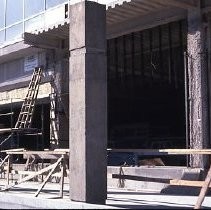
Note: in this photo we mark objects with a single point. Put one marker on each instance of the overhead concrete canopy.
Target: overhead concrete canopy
(122, 17)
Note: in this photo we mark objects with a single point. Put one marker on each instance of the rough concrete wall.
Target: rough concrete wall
(17, 95)
(198, 104)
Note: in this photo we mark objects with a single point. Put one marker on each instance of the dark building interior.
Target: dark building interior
(146, 91)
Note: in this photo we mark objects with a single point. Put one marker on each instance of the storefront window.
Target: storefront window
(14, 11)
(33, 7)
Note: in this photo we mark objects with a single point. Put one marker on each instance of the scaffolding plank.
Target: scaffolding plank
(187, 183)
(165, 151)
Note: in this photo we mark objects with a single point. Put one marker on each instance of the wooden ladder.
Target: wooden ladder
(27, 109)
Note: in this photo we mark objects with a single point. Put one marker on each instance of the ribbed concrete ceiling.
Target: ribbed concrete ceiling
(122, 10)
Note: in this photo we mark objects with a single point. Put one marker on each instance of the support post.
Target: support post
(197, 77)
(88, 103)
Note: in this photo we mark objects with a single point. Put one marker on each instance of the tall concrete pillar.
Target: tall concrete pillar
(198, 97)
(88, 103)
(209, 71)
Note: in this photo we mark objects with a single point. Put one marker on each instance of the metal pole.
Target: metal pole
(108, 60)
(142, 55)
(11, 116)
(186, 107)
(151, 54)
(42, 122)
(132, 54)
(161, 54)
(170, 54)
(124, 56)
(116, 58)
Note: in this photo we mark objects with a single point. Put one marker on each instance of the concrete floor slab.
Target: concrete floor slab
(22, 197)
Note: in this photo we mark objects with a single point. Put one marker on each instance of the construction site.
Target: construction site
(105, 104)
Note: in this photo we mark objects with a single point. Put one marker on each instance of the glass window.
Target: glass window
(34, 23)
(2, 36)
(2, 71)
(14, 32)
(33, 7)
(14, 11)
(52, 3)
(14, 69)
(2, 13)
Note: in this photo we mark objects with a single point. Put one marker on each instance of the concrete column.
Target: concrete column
(209, 71)
(88, 103)
(198, 97)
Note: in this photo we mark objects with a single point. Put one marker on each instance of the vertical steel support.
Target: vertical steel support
(142, 55)
(124, 57)
(170, 54)
(116, 58)
(8, 170)
(161, 53)
(132, 55)
(108, 60)
(42, 122)
(151, 53)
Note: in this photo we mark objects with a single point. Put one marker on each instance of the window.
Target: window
(52, 3)
(2, 36)
(2, 17)
(14, 11)
(14, 32)
(33, 7)
(14, 69)
(34, 23)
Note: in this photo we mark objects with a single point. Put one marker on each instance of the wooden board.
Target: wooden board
(45, 156)
(12, 130)
(187, 183)
(164, 151)
(15, 152)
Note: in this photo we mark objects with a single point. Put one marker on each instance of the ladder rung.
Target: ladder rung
(28, 105)
(25, 113)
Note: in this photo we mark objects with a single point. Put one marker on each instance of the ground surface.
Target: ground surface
(22, 196)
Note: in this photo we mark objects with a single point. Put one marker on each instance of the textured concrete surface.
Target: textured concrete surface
(22, 197)
(197, 93)
(88, 102)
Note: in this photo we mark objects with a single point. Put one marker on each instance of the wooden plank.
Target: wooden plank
(187, 183)
(8, 171)
(6, 114)
(45, 156)
(11, 130)
(203, 191)
(14, 150)
(164, 151)
(31, 176)
(24, 172)
(5, 159)
(49, 175)
(62, 150)
(37, 152)
(63, 169)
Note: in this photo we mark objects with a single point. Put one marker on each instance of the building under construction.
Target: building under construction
(131, 74)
